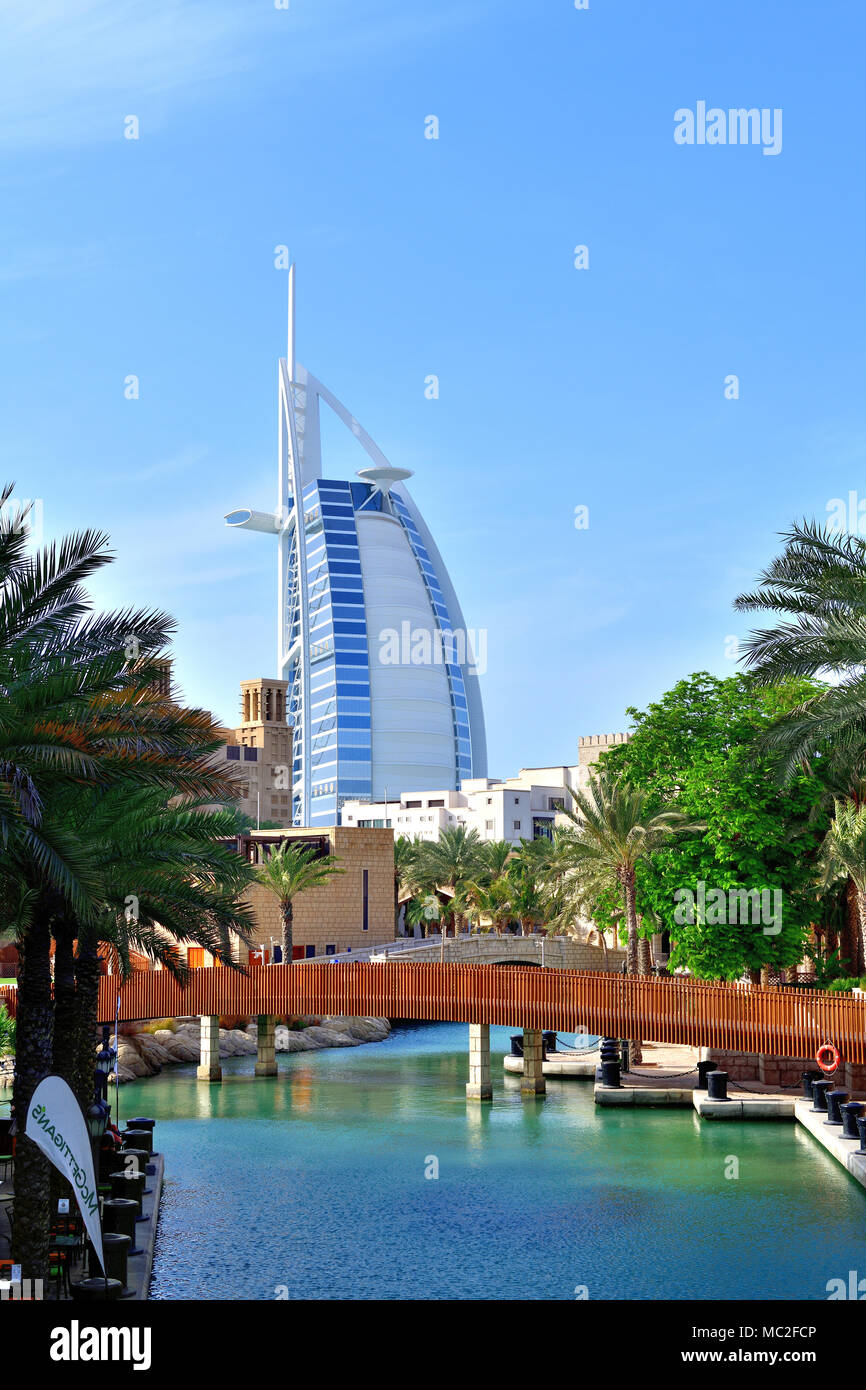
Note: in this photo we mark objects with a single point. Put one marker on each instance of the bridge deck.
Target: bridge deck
(790, 1023)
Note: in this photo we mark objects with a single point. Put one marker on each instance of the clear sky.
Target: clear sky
(559, 387)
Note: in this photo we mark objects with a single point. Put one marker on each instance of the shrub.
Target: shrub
(155, 1023)
(7, 1032)
(844, 985)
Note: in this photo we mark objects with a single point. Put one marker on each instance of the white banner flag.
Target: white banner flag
(56, 1125)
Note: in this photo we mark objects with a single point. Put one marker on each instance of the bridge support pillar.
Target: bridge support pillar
(209, 1067)
(532, 1082)
(266, 1057)
(479, 1086)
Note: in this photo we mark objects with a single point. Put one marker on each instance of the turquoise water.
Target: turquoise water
(315, 1181)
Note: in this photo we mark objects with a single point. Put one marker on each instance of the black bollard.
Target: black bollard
(610, 1073)
(115, 1248)
(135, 1161)
(129, 1185)
(138, 1139)
(548, 1043)
(717, 1085)
(141, 1122)
(819, 1095)
(96, 1290)
(835, 1099)
(808, 1078)
(517, 1045)
(850, 1115)
(861, 1130)
(118, 1214)
(704, 1068)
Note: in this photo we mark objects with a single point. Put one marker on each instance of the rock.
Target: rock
(234, 1043)
(362, 1029)
(328, 1037)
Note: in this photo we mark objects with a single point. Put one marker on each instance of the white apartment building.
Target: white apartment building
(520, 808)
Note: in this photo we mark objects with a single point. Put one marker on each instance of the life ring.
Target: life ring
(831, 1053)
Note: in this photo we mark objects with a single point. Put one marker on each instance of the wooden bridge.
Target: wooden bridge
(742, 1018)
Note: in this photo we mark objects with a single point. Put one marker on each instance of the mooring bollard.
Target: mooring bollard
(717, 1085)
(610, 1073)
(143, 1122)
(819, 1095)
(704, 1069)
(861, 1130)
(135, 1161)
(118, 1214)
(517, 1044)
(96, 1290)
(138, 1139)
(115, 1248)
(129, 1185)
(808, 1078)
(835, 1099)
(850, 1115)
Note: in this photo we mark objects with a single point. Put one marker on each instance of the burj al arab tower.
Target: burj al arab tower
(382, 682)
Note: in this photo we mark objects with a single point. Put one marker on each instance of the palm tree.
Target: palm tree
(405, 857)
(616, 826)
(188, 884)
(288, 870)
(817, 588)
(495, 855)
(843, 856)
(452, 861)
(56, 662)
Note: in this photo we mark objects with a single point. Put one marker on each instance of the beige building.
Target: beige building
(520, 808)
(260, 748)
(351, 910)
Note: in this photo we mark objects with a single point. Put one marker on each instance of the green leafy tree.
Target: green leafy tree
(702, 744)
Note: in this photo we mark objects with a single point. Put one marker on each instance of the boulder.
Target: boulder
(328, 1037)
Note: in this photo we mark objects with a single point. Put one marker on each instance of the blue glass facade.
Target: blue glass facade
(340, 715)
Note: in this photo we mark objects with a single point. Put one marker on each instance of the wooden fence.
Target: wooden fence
(791, 1023)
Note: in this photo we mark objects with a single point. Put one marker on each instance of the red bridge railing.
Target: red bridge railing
(790, 1023)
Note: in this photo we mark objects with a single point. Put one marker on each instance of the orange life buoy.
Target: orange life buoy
(828, 1051)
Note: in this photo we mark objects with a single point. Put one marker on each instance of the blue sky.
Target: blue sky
(558, 387)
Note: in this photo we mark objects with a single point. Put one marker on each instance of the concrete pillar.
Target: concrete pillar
(532, 1081)
(479, 1086)
(209, 1067)
(266, 1058)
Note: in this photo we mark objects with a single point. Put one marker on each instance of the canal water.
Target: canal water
(319, 1184)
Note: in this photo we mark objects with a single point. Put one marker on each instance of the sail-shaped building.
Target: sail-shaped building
(382, 681)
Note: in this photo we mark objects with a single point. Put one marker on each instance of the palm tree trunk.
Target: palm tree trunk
(861, 935)
(856, 934)
(644, 956)
(288, 920)
(632, 967)
(65, 1013)
(87, 1009)
(32, 1064)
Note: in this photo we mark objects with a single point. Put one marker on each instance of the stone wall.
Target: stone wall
(782, 1071)
(332, 915)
